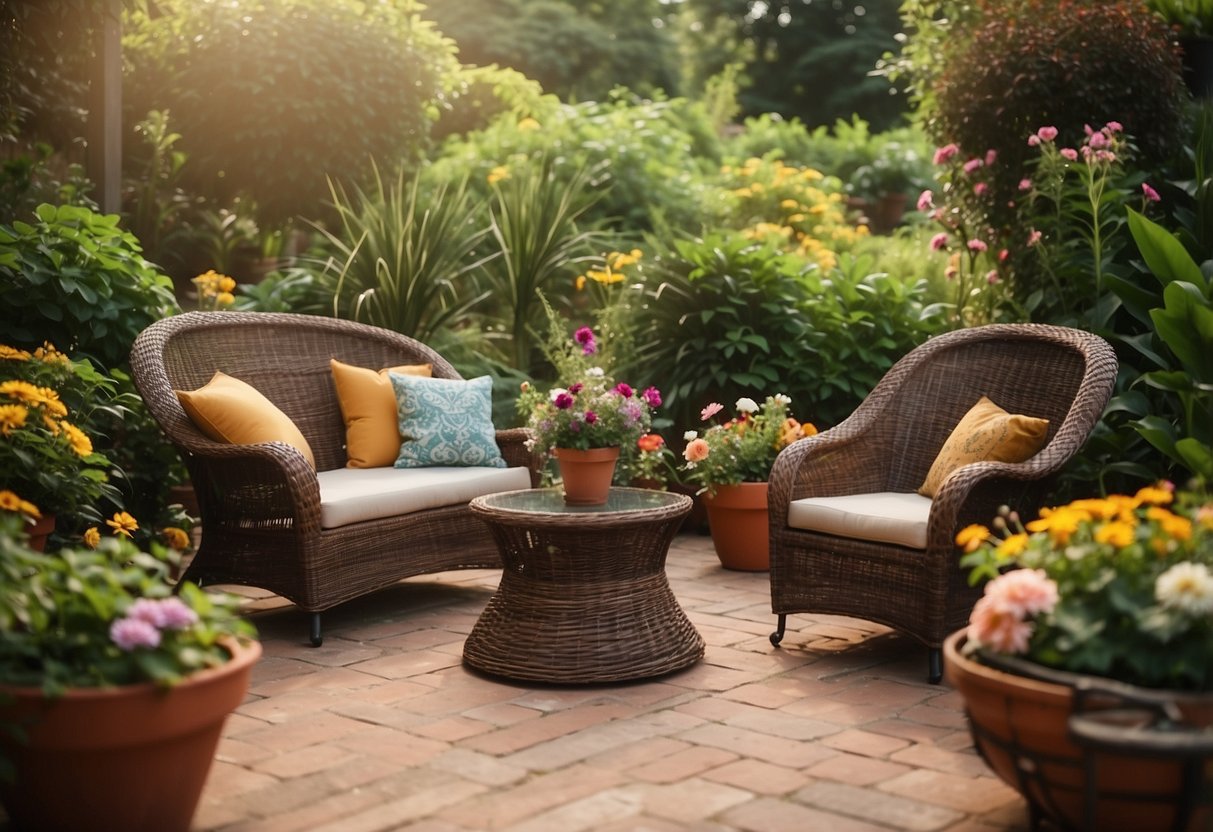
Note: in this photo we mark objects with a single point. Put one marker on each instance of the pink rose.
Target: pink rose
(1024, 592)
(926, 200)
(1003, 255)
(1033, 140)
(651, 396)
(563, 401)
(624, 389)
(939, 241)
(998, 628)
(1098, 140)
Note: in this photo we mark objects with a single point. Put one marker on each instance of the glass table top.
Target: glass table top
(551, 501)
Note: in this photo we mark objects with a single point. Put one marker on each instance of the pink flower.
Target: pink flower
(1025, 184)
(998, 628)
(939, 241)
(1024, 592)
(1069, 153)
(1034, 237)
(1033, 140)
(710, 411)
(991, 155)
(651, 396)
(980, 188)
(624, 389)
(696, 451)
(1086, 128)
(1098, 140)
(1047, 134)
(563, 401)
(585, 337)
(1105, 156)
(977, 245)
(926, 200)
(129, 633)
(1114, 127)
(972, 165)
(576, 387)
(1003, 255)
(992, 276)
(590, 417)
(1150, 193)
(145, 609)
(175, 615)
(945, 153)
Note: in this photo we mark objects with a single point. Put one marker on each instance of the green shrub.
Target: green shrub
(479, 94)
(269, 96)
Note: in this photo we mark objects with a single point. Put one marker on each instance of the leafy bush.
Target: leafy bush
(1064, 63)
(479, 94)
(270, 95)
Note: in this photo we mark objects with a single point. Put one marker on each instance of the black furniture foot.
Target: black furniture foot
(934, 665)
(314, 621)
(777, 636)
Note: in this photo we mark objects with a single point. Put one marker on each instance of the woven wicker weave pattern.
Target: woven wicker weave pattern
(889, 443)
(260, 504)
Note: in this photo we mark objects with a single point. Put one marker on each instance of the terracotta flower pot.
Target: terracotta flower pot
(39, 531)
(132, 758)
(587, 474)
(737, 516)
(1023, 729)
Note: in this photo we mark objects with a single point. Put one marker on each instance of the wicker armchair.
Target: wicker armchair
(260, 504)
(888, 445)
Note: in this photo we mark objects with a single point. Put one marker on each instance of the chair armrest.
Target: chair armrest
(254, 486)
(517, 453)
(834, 462)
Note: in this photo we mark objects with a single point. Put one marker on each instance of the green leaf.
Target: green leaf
(1165, 256)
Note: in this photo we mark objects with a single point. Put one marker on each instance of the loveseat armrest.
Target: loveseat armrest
(513, 443)
(268, 486)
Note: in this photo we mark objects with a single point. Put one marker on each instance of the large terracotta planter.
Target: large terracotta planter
(1100, 770)
(128, 759)
(587, 474)
(737, 517)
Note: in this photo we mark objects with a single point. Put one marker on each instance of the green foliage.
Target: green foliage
(38, 175)
(269, 96)
(931, 32)
(1191, 17)
(403, 258)
(1064, 63)
(75, 278)
(57, 610)
(479, 94)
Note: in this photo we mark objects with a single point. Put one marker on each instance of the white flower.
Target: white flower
(745, 405)
(780, 398)
(689, 435)
(1187, 587)
(595, 372)
(556, 391)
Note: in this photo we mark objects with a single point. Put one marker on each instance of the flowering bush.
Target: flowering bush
(1120, 587)
(128, 626)
(744, 448)
(47, 460)
(591, 409)
(653, 464)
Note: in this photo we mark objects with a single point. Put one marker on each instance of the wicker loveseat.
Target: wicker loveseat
(261, 504)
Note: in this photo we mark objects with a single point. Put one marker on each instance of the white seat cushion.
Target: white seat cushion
(886, 516)
(352, 495)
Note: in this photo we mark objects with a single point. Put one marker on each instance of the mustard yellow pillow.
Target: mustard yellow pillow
(228, 410)
(987, 433)
(368, 406)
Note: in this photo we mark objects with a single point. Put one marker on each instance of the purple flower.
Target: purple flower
(651, 396)
(585, 337)
(129, 633)
(563, 401)
(175, 615)
(145, 609)
(590, 417)
(633, 412)
(624, 389)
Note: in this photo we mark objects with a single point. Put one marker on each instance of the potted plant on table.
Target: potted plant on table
(1087, 669)
(113, 689)
(587, 420)
(731, 463)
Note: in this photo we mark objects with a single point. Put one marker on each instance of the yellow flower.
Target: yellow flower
(21, 391)
(47, 354)
(226, 284)
(1060, 523)
(81, 444)
(1154, 495)
(498, 173)
(1118, 533)
(789, 204)
(607, 276)
(1012, 546)
(224, 299)
(970, 537)
(1173, 526)
(580, 282)
(123, 524)
(12, 417)
(528, 124)
(9, 501)
(50, 402)
(1098, 509)
(92, 537)
(175, 538)
(12, 353)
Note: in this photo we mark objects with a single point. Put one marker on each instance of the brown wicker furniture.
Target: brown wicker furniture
(583, 595)
(260, 504)
(888, 445)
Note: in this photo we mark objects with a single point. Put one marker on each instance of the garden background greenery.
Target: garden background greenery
(440, 168)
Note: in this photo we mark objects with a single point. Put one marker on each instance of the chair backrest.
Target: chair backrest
(284, 356)
(1048, 372)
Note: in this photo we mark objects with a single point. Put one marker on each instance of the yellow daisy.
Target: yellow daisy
(12, 417)
(123, 524)
(92, 537)
(970, 537)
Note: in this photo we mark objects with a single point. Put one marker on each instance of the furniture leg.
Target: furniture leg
(314, 622)
(777, 636)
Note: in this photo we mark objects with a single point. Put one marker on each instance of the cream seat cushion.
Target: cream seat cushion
(886, 517)
(352, 495)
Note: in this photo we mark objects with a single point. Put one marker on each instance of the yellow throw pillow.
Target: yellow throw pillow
(228, 410)
(987, 433)
(368, 405)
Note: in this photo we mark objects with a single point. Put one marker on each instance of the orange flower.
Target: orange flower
(696, 451)
(650, 442)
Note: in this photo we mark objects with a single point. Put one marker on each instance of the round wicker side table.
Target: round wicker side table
(583, 595)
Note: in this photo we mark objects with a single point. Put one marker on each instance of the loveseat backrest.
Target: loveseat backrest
(284, 356)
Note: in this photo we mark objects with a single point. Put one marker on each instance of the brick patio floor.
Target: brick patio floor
(382, 728)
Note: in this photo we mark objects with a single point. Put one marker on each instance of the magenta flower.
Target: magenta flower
(1047, 134)
(175, 615)
(1069, 153)
(590, 417)
(563, 401)
(710, 411)
(1025, 184)
(972, 165)
(585, 337)
(945, 153)
(977, 245)
(129, 633)
(576, 387)
(926, 200)
(624, 389)
(1150, 193)
(651, 396)
(939, 241)
(980, 188)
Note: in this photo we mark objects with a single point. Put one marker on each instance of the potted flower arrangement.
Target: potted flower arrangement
(586, 421)
(731, 463)
(46, 456)
(113, 687)
(1099, 604)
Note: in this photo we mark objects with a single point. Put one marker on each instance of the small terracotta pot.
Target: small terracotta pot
(39, 531)
(738, 518)
(587, 474)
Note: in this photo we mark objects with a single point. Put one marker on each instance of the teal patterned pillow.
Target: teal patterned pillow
(445, 422)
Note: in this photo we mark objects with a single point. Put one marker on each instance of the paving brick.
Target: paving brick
(502, 713)
(876, 806)
(398, 747)
(477, 767)
(757, 777)
(939, 759)
(451, 729)
(682, 764)
(776, 750)
(505, 807)
(391, 814)
(304, 761)
(532, 732)
(770, 815)
(690, 801)
(864, 742)
(855, 769)
(966, 794)
(590, 812)
(634, 754)
(907, 730)
(406, 664)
